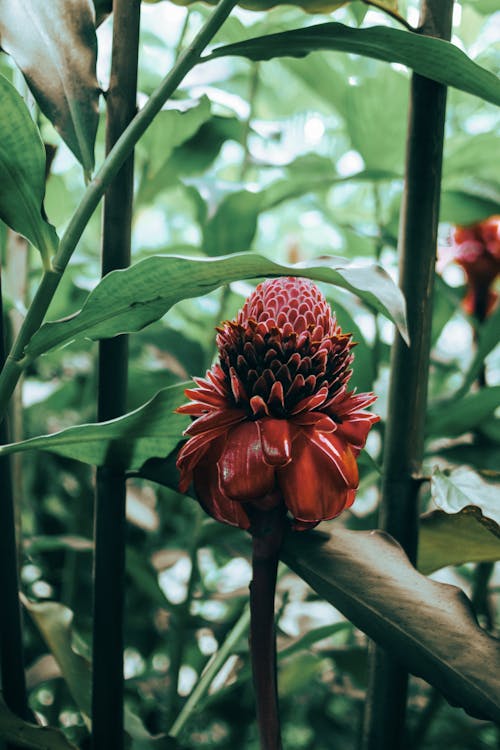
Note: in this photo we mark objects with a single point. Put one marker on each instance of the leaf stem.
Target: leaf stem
(110, 167)
(181, 619)
(110, 493)
(214, 665)
(385, 708)
(267, 534)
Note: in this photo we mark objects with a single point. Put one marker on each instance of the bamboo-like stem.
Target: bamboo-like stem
(11, 642)
(110, 526)
(385, 709)
(267, 534)
(96, 189)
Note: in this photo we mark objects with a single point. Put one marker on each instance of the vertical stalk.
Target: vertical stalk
(385, 710)
(267, 534)
(11, 643)
(109, 562)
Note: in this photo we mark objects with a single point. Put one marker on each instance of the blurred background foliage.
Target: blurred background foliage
(292, 159)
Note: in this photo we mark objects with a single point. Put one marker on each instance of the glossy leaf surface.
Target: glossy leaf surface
(22, 172)
(54, 44)
(367, 576)
(430, 57)
(128, 300)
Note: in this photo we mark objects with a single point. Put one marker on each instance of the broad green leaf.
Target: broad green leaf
(55, 623)
(428, 626)
(233, 226)
(169, 129)
(488, 340)
(466, 525)
(22, 173)
(128, 300)
(428, 56)
(381, 99)
(462, 488)
(456, 538)
(18, 733)
(55, 46)
(455, 416)
(459, 207)
(127, 442)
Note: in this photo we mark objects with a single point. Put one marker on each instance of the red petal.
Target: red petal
(220, 507)
(191, 454)
(354, 431)
(313, 487)
(315, 419)
(243, 474)
(215, 419)
(276, 441)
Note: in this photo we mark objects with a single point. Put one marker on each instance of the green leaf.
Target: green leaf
(487, 341)
(428, 626)
(128, 300)
(311, 6)
(453, 417)
(126, 442)
(454, 539)
(462, 488)
(169, 129)
(428, 56)
(381, 99)
(56, 49)
(233, 226)
(466, 525)
(55, 623)
(22, 173)
(18, 733)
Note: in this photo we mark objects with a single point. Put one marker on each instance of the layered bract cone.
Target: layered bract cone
(274, 420)
(477, 249)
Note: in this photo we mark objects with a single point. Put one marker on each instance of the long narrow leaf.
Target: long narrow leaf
(128, 300)
(430, 57)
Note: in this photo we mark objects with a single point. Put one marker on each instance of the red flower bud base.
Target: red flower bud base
(274, 420)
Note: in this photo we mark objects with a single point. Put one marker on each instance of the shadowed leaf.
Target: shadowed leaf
(22, 172)
(21, 733)
(54, 44)
(428, 56)
(128, 300)
(126, 442)
(428, 626)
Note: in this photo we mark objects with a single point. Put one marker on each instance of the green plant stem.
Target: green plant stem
(11, 642)
(378, 247)
(252, 95)
(96, 189)
(110, 495)
(385, 709)
(267, 534)
(213, 667)
(181, 619)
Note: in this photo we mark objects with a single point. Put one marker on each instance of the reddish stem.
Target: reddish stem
(267, 534)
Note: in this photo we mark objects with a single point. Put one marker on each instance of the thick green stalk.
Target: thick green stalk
(11, 642)
(385, 709)
(96, 189)
(110, 525)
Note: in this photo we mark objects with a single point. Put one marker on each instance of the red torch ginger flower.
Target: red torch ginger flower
(274, 421)
(477, 250)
